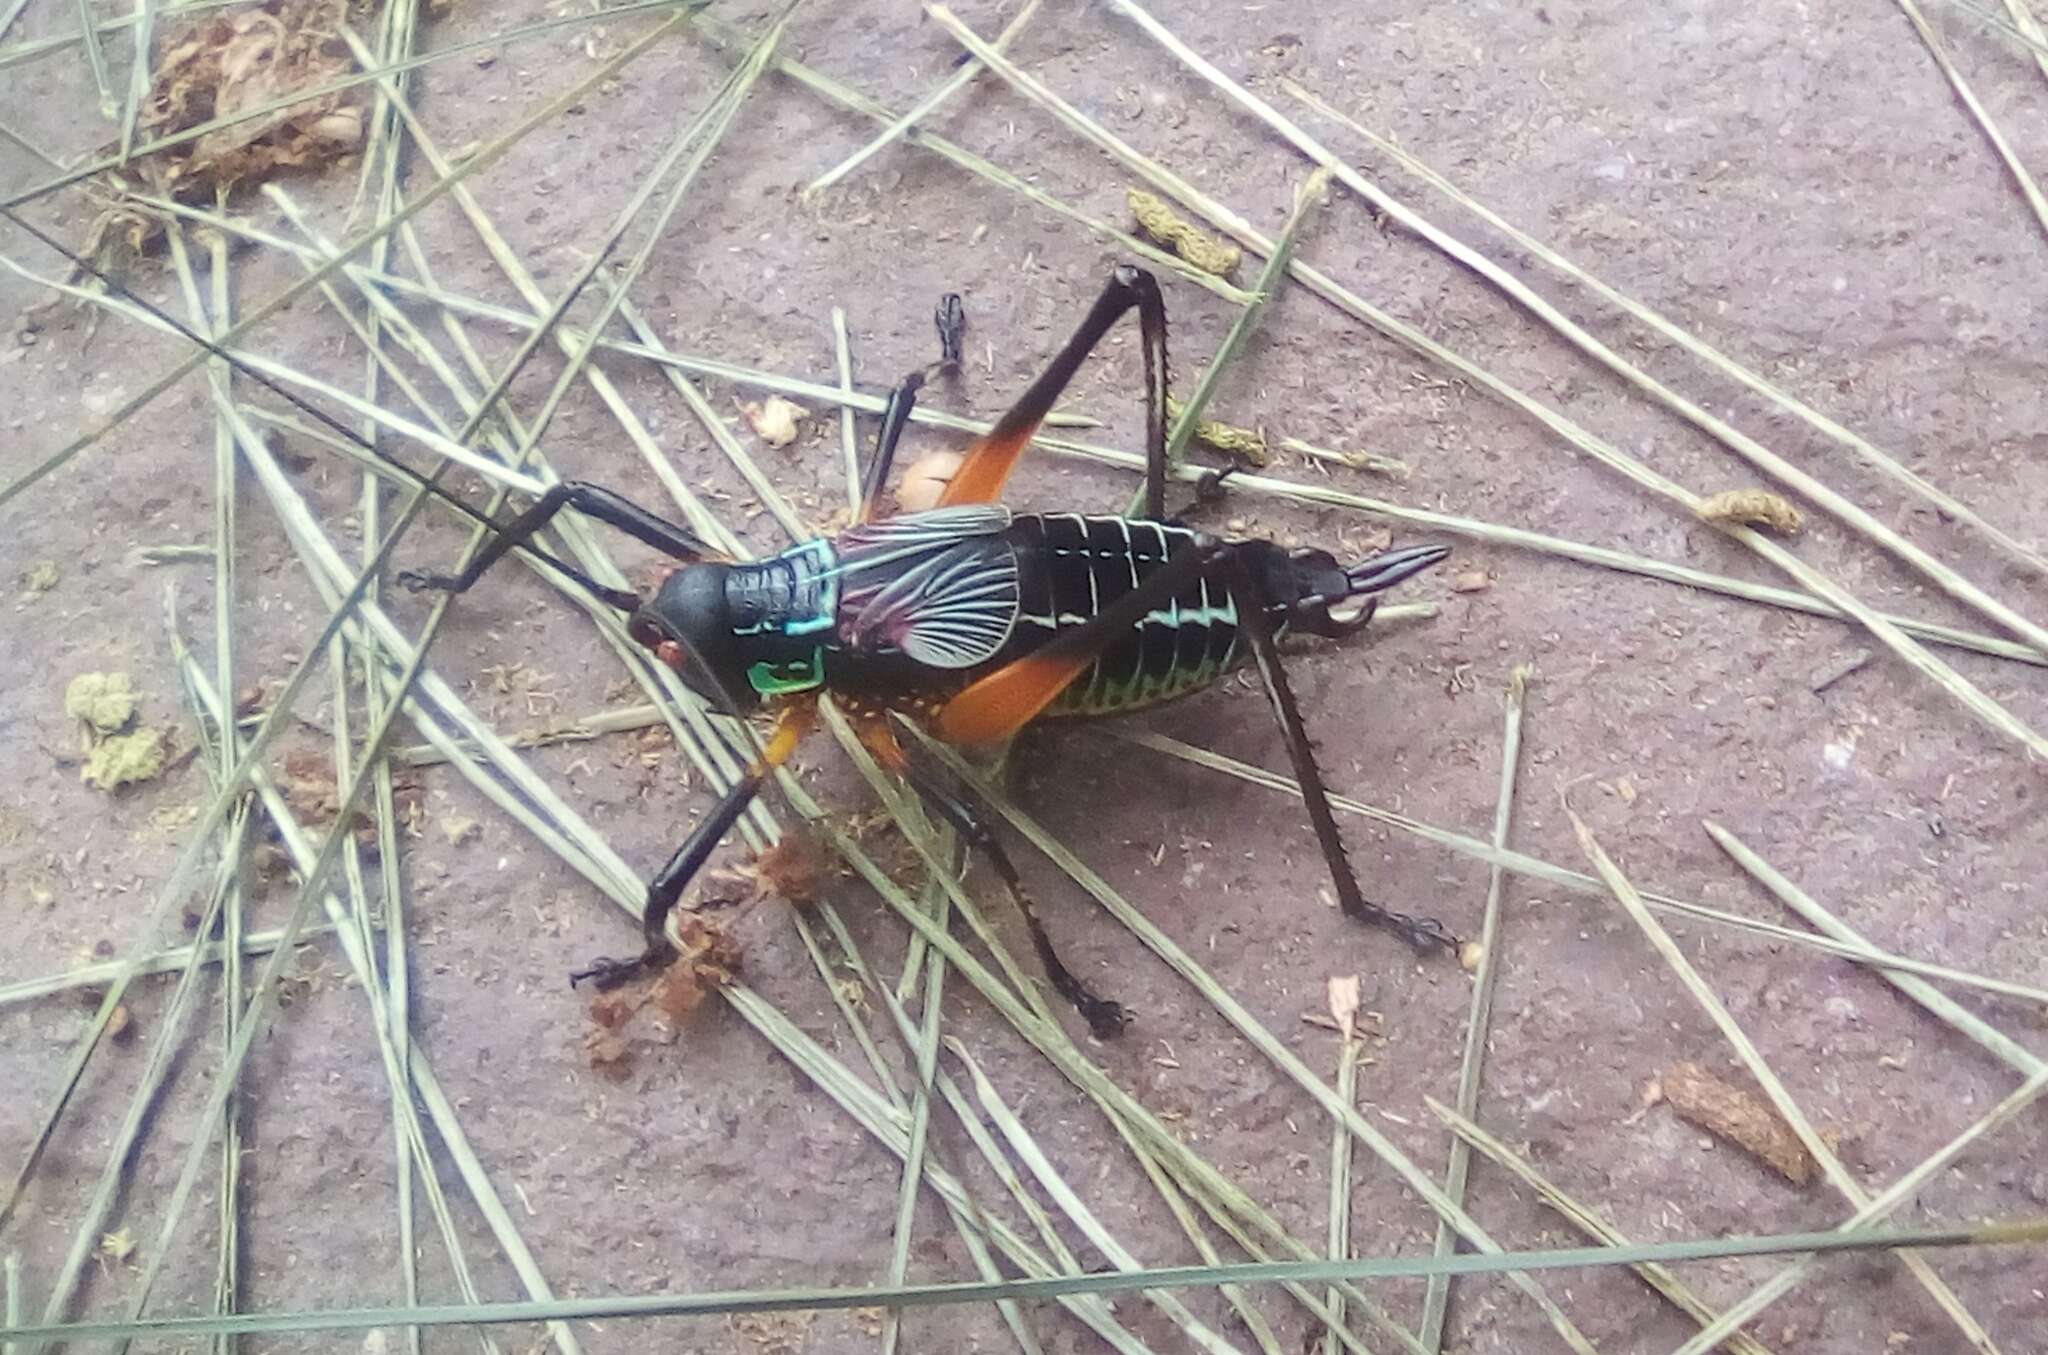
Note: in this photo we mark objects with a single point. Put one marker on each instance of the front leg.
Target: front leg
(594, 500)
(950, 319)
(667, 887)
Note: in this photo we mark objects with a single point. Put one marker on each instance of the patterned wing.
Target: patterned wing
(922, 531)
(952, 609)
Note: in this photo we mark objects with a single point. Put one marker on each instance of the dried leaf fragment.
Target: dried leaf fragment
(609, 1053)
(708, 958)
(1754, 508)
(1344, 1003)
(612, 1010)
(774, 420)
(1159, 221)
(310, 786)
(1738, 1116)
(793, 867)
(1471, 581)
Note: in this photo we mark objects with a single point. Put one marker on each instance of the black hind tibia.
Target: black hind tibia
(1299, 586)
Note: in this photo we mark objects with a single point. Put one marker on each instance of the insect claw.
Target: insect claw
(951, 320)
(1106, 1016)
(1425, 934)
(417, 581)
(1210, 488)
(606, 974)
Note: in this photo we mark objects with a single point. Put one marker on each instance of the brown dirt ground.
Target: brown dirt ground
(1798, 185)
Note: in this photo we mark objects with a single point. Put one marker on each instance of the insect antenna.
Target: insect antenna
(615, 597)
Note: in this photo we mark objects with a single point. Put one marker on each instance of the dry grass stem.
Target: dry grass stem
(922, 109)
(1750, 1129)
(1479, 1023)
(1583, 1217)
(1868, 524)
(1936, 1002)
(2013, 166)
(1968, 694)
(1872, 456)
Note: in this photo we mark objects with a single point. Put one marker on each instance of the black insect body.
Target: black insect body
(909, 611)
(973, 621)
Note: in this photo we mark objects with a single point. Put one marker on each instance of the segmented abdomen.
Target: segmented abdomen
(1069, 567)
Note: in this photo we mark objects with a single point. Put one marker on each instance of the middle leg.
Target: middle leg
(951, 321)
(946, 796)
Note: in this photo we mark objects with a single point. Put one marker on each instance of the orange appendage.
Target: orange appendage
(1008, 699)
(986, 470)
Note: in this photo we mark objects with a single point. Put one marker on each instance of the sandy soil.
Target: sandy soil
(1798, 185)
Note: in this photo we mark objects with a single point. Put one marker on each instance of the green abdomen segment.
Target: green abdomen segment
(1070, 567)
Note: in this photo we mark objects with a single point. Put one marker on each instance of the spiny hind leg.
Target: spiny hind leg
(1425, 934)
(958, 805)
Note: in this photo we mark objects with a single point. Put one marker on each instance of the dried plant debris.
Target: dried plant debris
(1738, 1116)
(612, 1010)
(1247, 444)
(1343, 995)
(103, 702)
(228, 62)
(609, 1053)
(708, 957)
(1366, 461)
(795, 867)
(1471, 581)
(1159, 221)
(115, 1248)
(774, 420)
(310, 787)
(116, 753)
(39, 578)
(772, 1333)
(1754, 508)
(459, 828)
